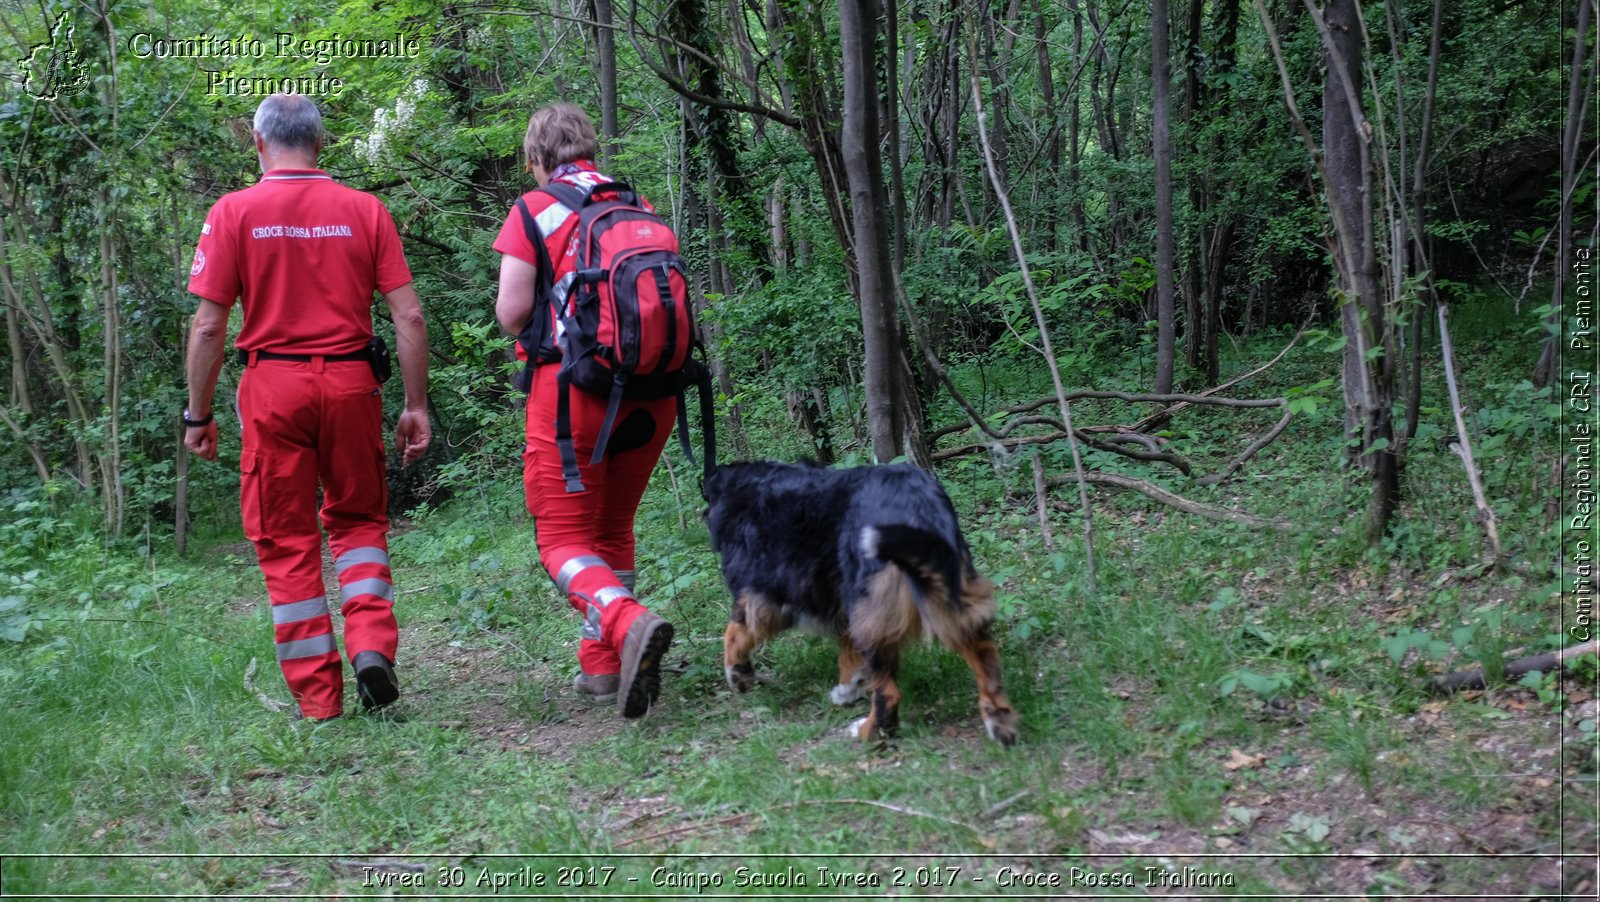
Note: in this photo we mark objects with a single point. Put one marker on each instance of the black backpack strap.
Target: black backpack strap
(683, 427)
(698, 375)
(617, 383)
(571, 196)
(535, 336)
(708, 420)
(569, 456)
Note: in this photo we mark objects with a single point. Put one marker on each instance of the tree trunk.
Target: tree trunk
(1221, 233)
(1221, 240)
(999, 88)
(1195, 285)
(605, 42)
(891, 109)
(804, 410)
(1368, 378)
(1104, 108)
(19, 396)
(1161, 126)
(802, 87)
(1417, 244)
(697, 228)
(778, 226)
(886, 420)
(111, 457)
(1047, 100)
(1080, 222)
(30, 302)
(1545, 370)
(180, 489)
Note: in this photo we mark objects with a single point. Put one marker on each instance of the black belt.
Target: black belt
(243, 356)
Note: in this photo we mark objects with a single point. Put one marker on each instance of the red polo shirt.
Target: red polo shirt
(306, 254)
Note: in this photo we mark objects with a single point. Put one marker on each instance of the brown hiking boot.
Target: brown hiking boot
(597, 688)
(646, 644)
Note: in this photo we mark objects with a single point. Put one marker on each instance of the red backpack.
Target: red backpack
(625, 327)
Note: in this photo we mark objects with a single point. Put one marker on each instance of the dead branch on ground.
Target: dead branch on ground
(1473, 678)
(1177, 502)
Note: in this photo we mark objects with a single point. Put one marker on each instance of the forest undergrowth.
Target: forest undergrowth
(1255, 696)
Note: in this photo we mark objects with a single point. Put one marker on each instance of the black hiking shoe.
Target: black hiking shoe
(375, 680)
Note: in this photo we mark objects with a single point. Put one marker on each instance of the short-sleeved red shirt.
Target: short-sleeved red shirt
(556, 223)
(306, 254)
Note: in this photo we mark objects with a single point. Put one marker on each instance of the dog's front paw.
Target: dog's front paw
(846, 693)
(741, 677)
(857, 727)
(1002, 726)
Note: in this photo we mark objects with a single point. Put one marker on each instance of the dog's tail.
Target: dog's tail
(929, 588)
(933, 564)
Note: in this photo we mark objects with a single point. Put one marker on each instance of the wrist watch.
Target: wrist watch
(193, 423)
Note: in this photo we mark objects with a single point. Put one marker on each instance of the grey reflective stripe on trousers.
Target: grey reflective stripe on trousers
(374, 586)
(625, 577)
(299, 610)
(573, 567)
(369, 554)
(591, 614)
(306, 648)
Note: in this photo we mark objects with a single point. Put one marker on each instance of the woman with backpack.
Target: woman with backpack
(589, 452)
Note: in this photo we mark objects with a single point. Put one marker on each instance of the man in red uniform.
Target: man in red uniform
(585, 538)
(305, 255)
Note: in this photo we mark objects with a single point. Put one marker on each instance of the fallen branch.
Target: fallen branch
(964, 450)
(1178, 402)
(1263, 440)
(1041, 494)
(994, 811)
(1463, 443)
(1179, 502)
(271, 703)
(1149, 449)
(1162, 415)
(1109, 445)
(661, 834)
(1473, 679)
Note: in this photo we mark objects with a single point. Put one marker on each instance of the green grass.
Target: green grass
(1203, 640)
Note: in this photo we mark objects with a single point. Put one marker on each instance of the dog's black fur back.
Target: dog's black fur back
(794, 532)
(873, 555)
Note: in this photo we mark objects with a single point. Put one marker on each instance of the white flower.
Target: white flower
(386, 122)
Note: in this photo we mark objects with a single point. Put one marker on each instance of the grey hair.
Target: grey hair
(289, 122)
(559, 133)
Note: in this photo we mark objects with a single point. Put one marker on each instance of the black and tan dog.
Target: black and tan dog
(872, 555)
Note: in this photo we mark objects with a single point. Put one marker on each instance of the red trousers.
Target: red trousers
(305, 423)
(586, 538)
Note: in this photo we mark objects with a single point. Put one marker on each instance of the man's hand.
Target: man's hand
(412, 434)
(202, 440)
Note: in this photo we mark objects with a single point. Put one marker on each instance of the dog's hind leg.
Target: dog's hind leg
(852, 673)
(752, 621)
(884, 716)
(998, 717)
